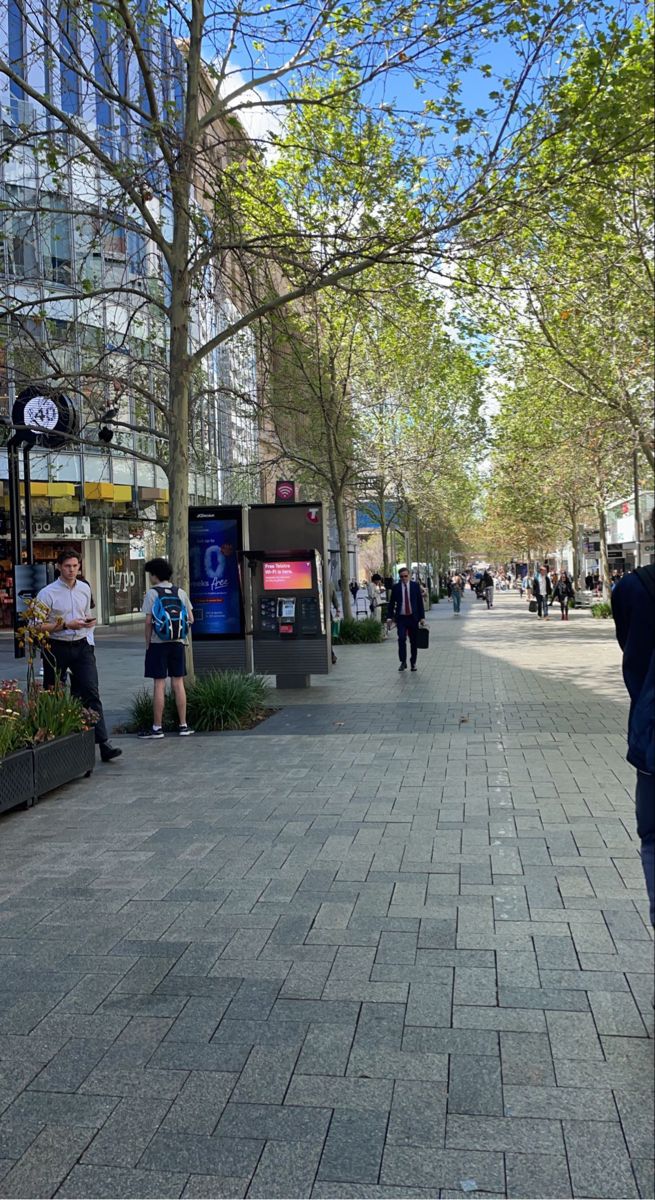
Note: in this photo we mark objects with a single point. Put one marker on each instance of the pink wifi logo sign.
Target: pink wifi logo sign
(285, 490)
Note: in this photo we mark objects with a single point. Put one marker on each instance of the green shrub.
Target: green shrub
(220, 700)
(55, 713)
(434, 596)
(601, 609)
(356, 632)
(226, 700)
(141, 711)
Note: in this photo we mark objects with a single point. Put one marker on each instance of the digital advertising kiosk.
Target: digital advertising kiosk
(217, 594)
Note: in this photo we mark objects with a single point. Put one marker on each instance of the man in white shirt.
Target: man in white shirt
(69, 621)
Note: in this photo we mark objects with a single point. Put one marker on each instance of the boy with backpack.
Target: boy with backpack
(169, 615)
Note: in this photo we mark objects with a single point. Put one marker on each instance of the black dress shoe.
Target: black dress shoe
(402, 667)
(413, 668)
(107, 752)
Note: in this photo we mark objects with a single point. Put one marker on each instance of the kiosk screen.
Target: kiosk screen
(290, 576)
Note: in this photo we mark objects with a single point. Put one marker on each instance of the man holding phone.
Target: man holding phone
(69, 621)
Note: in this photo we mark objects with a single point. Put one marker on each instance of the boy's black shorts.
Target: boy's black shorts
(165, 658)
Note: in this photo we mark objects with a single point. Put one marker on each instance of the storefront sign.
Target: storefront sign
(215, 544)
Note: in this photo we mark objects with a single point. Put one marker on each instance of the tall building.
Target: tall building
(76, 284)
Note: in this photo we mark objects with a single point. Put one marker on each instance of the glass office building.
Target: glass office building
(111, 502)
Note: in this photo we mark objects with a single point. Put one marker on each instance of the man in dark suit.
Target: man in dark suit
(406, 609)
(633, 609)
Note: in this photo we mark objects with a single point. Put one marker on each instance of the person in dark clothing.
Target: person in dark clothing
(406, 608)
(488, 587)
(563, 593)
(633, 609)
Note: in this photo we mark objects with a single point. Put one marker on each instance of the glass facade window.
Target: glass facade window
(122, 468)
(69, 57)
(102, 72)
(16, 47)
(97, 468)
(22, 240)
(56, 241)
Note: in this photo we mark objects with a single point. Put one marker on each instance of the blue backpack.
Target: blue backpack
(170, 619)
(641, 730)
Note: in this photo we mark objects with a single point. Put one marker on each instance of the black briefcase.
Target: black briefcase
(422, 637)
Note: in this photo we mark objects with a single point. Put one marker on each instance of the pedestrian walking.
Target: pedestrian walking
(488, 587)
(633, 608)
(542, 590)
(563, 594)
(69, 621)
(406, 608)
(457, 589)
(169, 616)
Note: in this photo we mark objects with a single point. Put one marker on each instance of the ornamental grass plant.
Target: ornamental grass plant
(353, 633)
(222, 700)
(602, 610)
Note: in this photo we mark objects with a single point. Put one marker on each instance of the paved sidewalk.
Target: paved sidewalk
(391, 943)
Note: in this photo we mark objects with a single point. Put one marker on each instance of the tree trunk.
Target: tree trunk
(340, 517)
(575, 543)
(384, 533)
(179, 405)
(604, 557)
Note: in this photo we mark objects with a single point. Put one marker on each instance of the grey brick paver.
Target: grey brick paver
(132, 1185)
(598, 1160)
(400, 949)
(504, 1133)
(46, 1163)
(354, 1146)
(533, 1176)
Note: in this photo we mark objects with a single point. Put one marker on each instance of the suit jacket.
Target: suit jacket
(415, 598)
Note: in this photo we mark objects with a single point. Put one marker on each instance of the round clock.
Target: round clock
(41, 414)
(48, 418)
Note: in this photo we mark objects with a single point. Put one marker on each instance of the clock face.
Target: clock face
(41, 413)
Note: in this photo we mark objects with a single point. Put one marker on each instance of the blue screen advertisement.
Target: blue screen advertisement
(214, 544)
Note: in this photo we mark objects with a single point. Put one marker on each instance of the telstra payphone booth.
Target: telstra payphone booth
(290, 603)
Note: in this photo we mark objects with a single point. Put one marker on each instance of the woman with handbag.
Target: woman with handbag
(563, 592)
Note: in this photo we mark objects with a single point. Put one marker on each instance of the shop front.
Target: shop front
(114, 540)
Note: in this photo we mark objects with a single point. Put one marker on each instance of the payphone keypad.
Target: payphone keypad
(268, 614)
(309, 615)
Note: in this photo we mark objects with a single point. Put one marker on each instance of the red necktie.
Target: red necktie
(408, 607)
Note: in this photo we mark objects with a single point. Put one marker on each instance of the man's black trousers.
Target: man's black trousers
(407, 628)
(78, 658)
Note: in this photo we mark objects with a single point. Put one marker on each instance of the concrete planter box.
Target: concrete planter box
(17, 780)
(64, 759)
